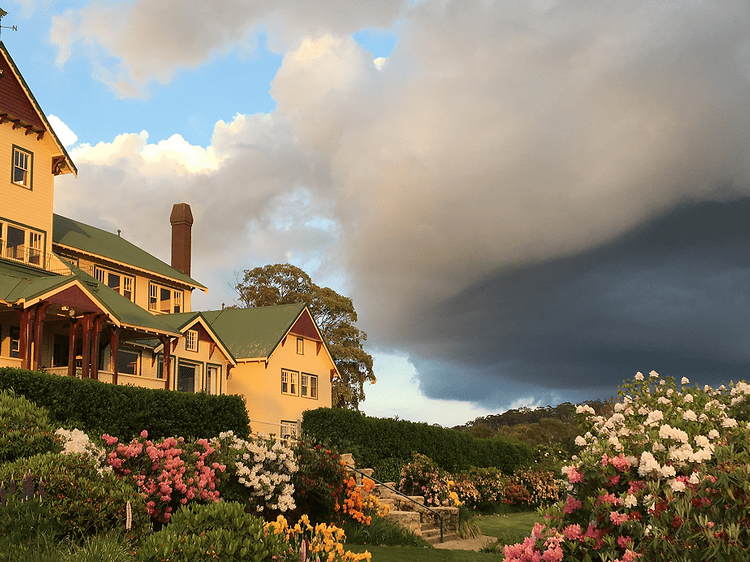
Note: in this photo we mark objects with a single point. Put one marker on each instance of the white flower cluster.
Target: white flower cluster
(76, 441)
(266, 470)
(663, 431)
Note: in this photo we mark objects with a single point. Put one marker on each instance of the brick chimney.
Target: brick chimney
(182, 224)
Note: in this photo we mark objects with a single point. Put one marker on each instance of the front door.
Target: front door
(186, 378)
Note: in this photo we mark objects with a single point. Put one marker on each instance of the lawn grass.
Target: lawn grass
(513, 525)
(508, 529)
(417, 554)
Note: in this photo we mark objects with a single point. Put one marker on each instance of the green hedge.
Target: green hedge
(373, 440)
(124, 411)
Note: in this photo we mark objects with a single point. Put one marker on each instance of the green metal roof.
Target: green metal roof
(92, 240)
(180, 320)
(253, 332)
(126, 311)
(18, 282)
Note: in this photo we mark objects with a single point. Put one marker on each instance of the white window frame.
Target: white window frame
(31, 249)
(23, 164)
(308, 386)
(102, 275)
(289, 382)
(300, 346)
(288, 429)
(213, 379)
(155, 301)
(191, 340)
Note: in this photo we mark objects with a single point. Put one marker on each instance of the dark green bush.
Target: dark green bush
(124, 411)
(217, 531)
(81, 501)
(381, 532)
(25, 428)
(376, 439)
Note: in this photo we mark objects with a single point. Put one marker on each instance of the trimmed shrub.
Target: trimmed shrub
(218, 531)
(374, 439)
(25, 429)
(81, 501)
(124, 411)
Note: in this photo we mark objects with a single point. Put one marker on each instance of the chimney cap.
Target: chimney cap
(181, 214)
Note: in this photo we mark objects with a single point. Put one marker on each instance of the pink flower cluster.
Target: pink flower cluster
(168, 473)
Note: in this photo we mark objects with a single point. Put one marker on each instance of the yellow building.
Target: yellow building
(79, 301)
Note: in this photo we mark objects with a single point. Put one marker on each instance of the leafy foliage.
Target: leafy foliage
(80, 500)
(373, 439)
(124, 411)
(218, 531)
(25, 428)
(334, 315)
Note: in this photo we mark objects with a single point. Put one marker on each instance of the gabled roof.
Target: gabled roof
(18, 104)
(77, 236)
(127, 313)
(184, 321)
(22, 285)
(254, 333)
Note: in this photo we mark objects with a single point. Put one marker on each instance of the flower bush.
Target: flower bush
(319, 543)
(360, 504)
(259, 473)
(77, 441)
(664, 477)
(320, 483)
(422, 477)
(168, 473)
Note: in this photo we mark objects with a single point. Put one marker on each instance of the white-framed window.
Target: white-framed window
(288, 429)
(309, 385)
(289, 382)
(123, 284)
(35, 248)
(22, 163)
(213, 375)
(191, 340)
(21, 244)
(163, 299)
(300, 346)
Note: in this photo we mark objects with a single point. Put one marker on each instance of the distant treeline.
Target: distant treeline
(563, 412)
(552, 426)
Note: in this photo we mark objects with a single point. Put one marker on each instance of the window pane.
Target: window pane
(153, 292)
(127, 361)
(114, 282)
(165, 299)
(16, 238)
(15, 337)
(20, 167)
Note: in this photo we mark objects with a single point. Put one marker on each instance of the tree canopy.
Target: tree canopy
(334, 314)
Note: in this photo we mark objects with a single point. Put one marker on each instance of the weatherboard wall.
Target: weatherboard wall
(260, 383)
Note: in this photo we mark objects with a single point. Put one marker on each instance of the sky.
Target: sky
(527, 201)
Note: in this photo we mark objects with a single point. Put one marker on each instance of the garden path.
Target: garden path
(477, 543)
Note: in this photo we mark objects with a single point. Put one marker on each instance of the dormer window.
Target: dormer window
(22, 161)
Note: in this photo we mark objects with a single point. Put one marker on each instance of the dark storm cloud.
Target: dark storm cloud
(672, 295)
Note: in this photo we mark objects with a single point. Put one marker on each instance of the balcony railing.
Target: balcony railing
(22, 254)
(33, 257)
